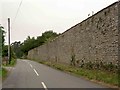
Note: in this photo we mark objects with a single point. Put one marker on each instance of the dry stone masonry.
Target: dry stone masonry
(94, 40)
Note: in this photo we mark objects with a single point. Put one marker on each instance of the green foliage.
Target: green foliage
(1, 39)
(28, 44)
(12, 64)
(5, 52)
(99, 65)
(16, 47)
(31, 43)
(2, 32)
(4, 73)
(73, 61)
(0, 72)
(49, 35)
(46, 36)
(4, 47)
(89, 65)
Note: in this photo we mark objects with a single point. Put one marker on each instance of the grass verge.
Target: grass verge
(3, 73)
(97, 75)
(12, 64)
(0, 72)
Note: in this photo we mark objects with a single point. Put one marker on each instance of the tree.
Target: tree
(49, 35)
(4, 48)
(28, 44)
(46, 36)
(2, 35)
(16, 47)
(5, 51)
(31, 43)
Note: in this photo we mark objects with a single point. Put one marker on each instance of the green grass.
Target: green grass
(0, 72)
(13, 63)
(99, 75)
(3, 73)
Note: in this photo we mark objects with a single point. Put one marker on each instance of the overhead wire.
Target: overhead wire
(17, 12)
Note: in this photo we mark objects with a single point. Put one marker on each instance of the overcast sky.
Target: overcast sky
(37, 16)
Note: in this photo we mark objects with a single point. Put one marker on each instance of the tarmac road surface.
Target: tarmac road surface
(30, 74)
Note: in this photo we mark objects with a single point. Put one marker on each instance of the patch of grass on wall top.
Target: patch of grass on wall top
(99, 75)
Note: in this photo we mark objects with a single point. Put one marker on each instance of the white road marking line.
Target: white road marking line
(36, 72)
(31, 66)
(44, 85)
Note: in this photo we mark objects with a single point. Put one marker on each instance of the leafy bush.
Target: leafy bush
(73, 61)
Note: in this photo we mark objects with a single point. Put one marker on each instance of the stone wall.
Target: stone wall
(94, 39)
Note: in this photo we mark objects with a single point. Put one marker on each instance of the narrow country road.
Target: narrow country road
(30, 74)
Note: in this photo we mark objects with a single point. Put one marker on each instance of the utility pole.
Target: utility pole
(9, 55)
